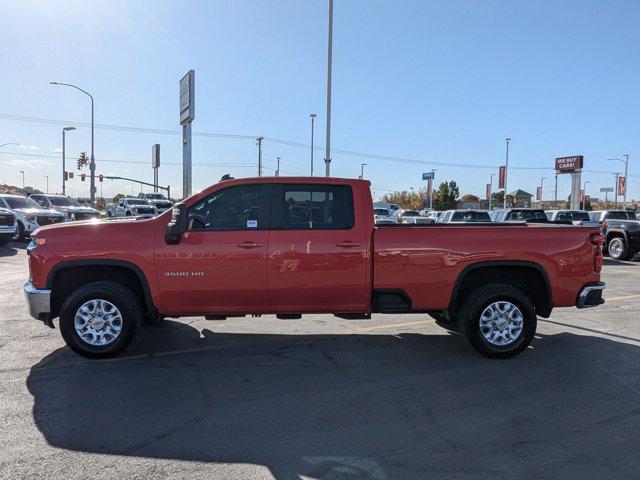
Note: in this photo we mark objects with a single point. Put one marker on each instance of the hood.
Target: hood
(160, 202)
(95, 226)
(41, 212)
(85, 210)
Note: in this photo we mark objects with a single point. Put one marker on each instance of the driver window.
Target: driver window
(233, 208)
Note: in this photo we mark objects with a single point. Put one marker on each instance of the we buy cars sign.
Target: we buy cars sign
(569, 164)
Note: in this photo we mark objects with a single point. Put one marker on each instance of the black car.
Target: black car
(621, 232)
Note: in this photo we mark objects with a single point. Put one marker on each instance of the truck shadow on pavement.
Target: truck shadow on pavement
(351, 406)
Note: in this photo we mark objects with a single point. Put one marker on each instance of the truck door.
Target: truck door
(220, 264)
(318, 254)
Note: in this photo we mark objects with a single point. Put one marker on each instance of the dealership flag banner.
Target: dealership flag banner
(622, 185)
(538, 193)
(501, 174)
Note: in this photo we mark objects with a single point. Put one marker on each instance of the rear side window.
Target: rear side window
(616, 215)
(471, 216)
(528, 215)
(233, 208)
(312, 207)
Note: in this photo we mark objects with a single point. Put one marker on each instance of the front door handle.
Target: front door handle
(249, 244)
(348, 244)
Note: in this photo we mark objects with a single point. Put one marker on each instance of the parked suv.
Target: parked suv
(573, 217)
(7, 226)
(29, 215)
(157, 200)
(529, 215)
(72, 209)
(464, 216)
(130, 207)
(621, 232)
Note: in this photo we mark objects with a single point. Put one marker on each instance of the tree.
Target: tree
(497, 198)
(582, 206)
(468, 198)
(446, 197)
(118, 197)
(407, 200)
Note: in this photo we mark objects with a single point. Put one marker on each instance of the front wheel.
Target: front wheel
(19, 235)
(100, 319)
(498, 321)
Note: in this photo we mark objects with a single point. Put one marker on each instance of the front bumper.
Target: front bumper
(38, 302)
(591, 296)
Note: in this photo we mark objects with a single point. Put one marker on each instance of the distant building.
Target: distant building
(519, 199)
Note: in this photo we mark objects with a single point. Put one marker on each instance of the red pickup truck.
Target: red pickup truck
(289, 246)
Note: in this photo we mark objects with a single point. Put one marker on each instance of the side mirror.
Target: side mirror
(177, 225)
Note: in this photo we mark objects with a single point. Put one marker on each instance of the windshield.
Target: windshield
(574, 216)
(133, 201)
(21, 202)
(470, 216)
(155, 196)
(63, 202)
(620, 215)
(410, 213)
(528, 216)
(381, 211)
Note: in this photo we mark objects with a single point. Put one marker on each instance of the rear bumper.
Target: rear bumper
(591, 296)
(38, 303)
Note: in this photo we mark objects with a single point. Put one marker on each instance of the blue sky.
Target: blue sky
(433, 81)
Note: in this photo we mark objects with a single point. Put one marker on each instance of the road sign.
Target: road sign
(569, 164)
(606, 189)
(428, 175)
(187, 93)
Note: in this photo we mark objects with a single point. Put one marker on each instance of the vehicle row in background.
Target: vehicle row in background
(7, 226)
(131, 207)
(29, 216)
(157, 200)
(621, 232)
(71, 208)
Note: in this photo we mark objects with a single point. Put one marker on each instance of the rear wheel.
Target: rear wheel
(100, 319)
(498, 321)
(19, 236)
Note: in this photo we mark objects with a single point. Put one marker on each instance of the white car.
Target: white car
(157, 200)
(384, 216)
(394, 209)
(72, 209)
(29, 215)
(7, 226)
(131, 207)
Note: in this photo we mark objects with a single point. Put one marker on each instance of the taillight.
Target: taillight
(603, 226)
(597, 240)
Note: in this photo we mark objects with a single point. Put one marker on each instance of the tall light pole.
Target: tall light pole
(64, 168)
(506, 172)
(10, 143)
(259, 143)
(626, 179)
(47, 177)
(22, 172)
(278, 167)
(327, 158)
(362, 165)
(92, 164)
(541, 183)
(616, 204)
(313, 121)
(491, 188)
(555, 193)
(584, 195)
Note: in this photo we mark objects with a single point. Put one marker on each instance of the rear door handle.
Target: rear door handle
(249, 244)
(348, 244)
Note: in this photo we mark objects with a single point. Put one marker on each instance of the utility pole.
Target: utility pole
(555, 193)
(278, 167)
(327, 158)
(64, 168)
(616, 201)
(47, 177)
(313, 120)
(259, 143)
(491, 188)
(506, 172)
(584, 195)
(362, 165)
(541, 183)
(22, 172)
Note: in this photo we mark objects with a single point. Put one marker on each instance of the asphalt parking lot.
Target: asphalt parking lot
(394, 397)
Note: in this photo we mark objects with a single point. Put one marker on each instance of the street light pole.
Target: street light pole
(278, 167)
(47, 177)
(10, 143)
(616, 201)
(584, 195)
(362, 165)
(259, 143)
(541, 183)
(64, 168)
(92, 165)
(327, 158)
(22, 172)
(506, 172)
(313, 120)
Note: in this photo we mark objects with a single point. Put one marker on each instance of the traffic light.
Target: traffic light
(79, 163)
(83, 160)
(82, 176)
(101, 177)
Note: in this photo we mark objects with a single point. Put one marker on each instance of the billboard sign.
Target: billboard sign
(569, 164)
(622, 185)
(428, 176)
(155, 156)
(501, 176)
(187, 94)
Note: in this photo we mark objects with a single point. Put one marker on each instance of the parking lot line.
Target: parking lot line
(613, 299)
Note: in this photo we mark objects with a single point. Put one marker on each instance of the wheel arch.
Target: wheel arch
(542, 297)
(121, 271)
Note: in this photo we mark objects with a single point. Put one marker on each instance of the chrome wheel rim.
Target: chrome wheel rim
(615, 248)
(501, 323)
(98, 322)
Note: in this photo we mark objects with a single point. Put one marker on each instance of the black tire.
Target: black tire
(128, 214)
(442, 321)
(19, 236)
(4, 239)
(114, 293)
(619, 249)
(109, 214)
(474, 306)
